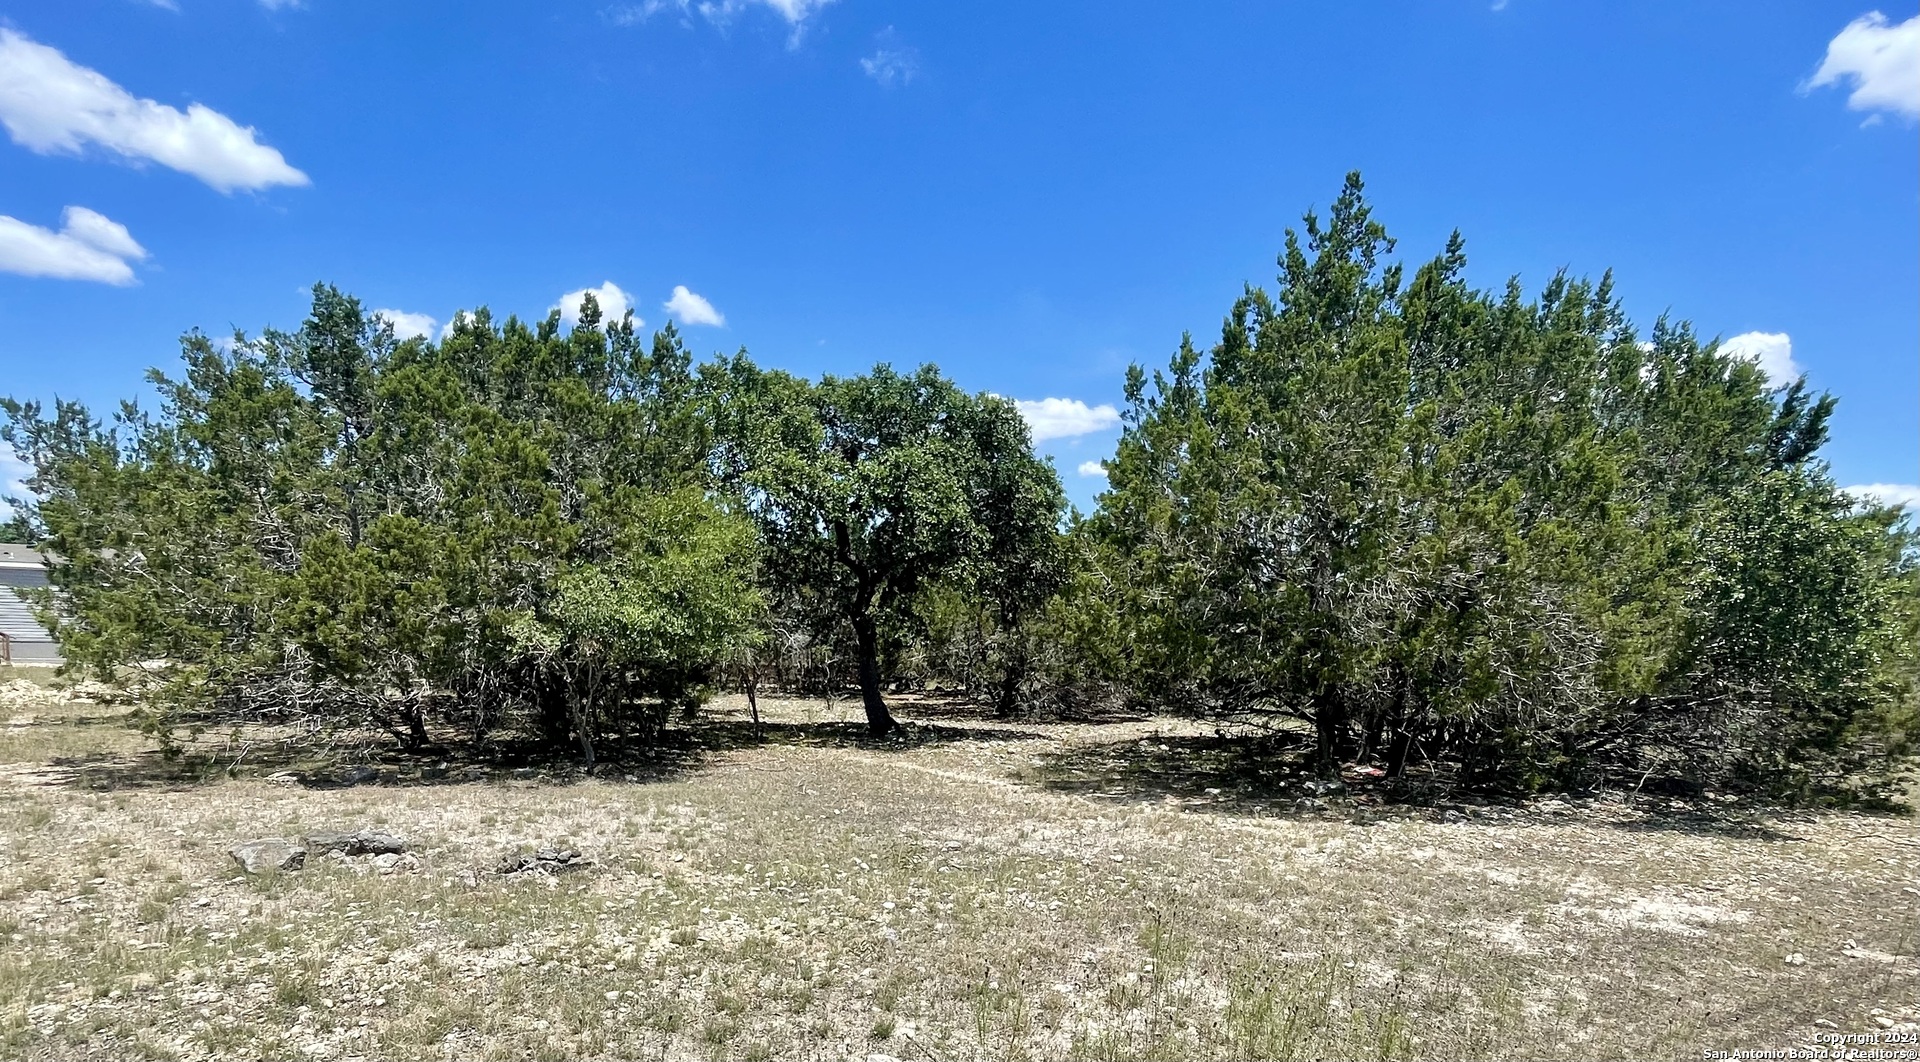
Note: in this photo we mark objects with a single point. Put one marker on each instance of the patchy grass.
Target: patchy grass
(972, 891)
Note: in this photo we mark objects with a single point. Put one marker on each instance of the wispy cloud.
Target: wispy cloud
(1772, 351)
(53, 105)
(1065, 418)
(691, 309)
(1880, 60)
(719, 13)
(892, 63)
(89, 246)
(614, 304)
(635, 14)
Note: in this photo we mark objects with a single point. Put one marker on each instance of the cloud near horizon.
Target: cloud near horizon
(89, 246)
(614, 303)
(691, 309)
(1772, 351)
(1906, 494)
(54, 106)
(1065, 418)
(409, 325)
(13, 480)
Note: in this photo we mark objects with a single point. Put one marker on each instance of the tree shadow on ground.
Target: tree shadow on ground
(1218, 773)
(1271, 775)
(677, 752)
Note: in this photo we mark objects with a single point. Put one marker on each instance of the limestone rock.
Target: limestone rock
(359, 842)
(268, 855)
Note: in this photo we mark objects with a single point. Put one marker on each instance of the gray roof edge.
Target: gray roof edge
(20, 555)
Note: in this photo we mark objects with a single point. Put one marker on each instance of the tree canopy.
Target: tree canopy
(869, 490)
(1485, 536)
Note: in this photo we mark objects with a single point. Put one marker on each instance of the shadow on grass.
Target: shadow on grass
(1271, 775)
(1222, 773)
(677, 752)
(1219, 773)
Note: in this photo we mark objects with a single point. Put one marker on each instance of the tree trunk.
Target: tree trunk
(1398, 754)
(1009, 690)
(417, 736)
(879, 720)
(1329, 726)
(582, 711)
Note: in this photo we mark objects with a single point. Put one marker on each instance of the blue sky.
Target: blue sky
(1030, 195)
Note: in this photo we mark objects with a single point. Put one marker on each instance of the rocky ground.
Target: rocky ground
(973, 890)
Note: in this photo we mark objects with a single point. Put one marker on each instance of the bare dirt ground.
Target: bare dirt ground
(973, 890)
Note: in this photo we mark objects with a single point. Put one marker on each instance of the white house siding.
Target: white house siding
(32, 644)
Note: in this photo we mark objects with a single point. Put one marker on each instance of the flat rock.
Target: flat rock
(359, 842)
(269, 855)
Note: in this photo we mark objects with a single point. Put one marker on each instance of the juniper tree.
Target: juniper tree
(336, 527)
(1434, 521)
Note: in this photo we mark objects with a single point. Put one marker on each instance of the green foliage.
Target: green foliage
(1438, 523)
(1491, 534)
(335, 528)
(672, 606)
(874, 490)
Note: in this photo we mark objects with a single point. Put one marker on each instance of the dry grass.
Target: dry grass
(978, 891)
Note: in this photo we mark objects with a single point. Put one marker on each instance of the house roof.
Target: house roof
(15, 555)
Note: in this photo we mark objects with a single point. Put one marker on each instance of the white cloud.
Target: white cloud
(53, 105)
(613, 304)
(165, 5)
(408, 325)
(275, 5)
(1064, 418)
(1880, 60)
(1907, 494)
(692, 309)
(1772, 351)
(1094, 469)
(892, 63)
(88, 246)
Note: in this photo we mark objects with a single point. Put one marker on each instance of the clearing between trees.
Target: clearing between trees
(964, 889)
